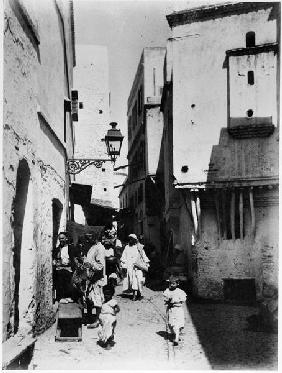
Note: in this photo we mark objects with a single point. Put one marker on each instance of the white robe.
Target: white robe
(175, 312)
(134, 279)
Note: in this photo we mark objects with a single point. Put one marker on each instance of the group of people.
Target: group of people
(87, 273)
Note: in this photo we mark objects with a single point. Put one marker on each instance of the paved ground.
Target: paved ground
(215, 338)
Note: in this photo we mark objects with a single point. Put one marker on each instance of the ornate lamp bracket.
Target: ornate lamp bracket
(75, 166)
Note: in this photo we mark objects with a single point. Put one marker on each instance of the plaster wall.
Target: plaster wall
(216, 259)
(31, 82)
(200, 84)
(244, 96)
(148, 130)
(132, 102)
(154, 128)
(91, 79)
(79, 216)
(153, 64)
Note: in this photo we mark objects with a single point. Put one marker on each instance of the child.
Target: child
(112, 280)
(174, 299)
(107, 318)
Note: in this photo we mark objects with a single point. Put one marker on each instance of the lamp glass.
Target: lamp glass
(113, 141)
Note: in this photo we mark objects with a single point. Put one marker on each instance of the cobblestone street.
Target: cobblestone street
(215, 338)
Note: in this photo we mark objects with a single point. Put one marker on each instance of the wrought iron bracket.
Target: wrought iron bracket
(75, 166)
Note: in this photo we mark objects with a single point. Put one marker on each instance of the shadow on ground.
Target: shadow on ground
(163, 334)
(156, 285)
(23, 361)
(228, 343)
(124, 295)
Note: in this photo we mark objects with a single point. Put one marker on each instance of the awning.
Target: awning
(96, 214)
(102, 203)
(77, 230)
(80, 194)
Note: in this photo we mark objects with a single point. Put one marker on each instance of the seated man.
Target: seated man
(63, 266)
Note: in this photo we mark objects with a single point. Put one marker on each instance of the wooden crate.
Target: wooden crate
(69, 322)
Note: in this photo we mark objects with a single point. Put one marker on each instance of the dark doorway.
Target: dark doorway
(240, 291)
(19, 205)
(250, 39)
(57, 209)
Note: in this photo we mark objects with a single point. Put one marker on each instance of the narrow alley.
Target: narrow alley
(215, 337)
(140, 184)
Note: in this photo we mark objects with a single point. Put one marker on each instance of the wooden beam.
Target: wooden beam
(241, 211)
(194, 214)
(198, 209)
(224, 214)
(253, 218)
(216, 201)
(232, 215)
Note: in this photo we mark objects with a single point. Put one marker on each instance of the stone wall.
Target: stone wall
(33, 158)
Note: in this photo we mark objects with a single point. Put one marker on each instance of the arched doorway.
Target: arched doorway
(24, 253)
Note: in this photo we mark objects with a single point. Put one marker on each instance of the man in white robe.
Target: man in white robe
(134, 278)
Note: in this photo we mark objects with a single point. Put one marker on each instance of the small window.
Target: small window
(250, 39)
(250, 113)
(251, 78)
(105, 189)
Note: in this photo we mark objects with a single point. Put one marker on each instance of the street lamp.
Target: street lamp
(113, 140)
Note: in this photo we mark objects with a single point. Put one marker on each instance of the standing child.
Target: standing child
(108, 318)
(174, 299)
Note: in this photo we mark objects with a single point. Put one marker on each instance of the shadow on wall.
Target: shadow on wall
(19, 205)
(223, 332)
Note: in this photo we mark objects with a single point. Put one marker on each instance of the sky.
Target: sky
(125, 27)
